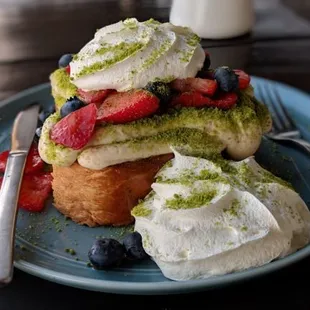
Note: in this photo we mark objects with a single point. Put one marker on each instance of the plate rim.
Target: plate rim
(155, 288)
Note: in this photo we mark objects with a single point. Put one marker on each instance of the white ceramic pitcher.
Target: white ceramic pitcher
(214, 19)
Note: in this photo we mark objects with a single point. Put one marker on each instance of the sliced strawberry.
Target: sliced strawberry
(68, 69)
(94, 96)
(76, 129)
(244, 78)
(34, 191)
(196, 99)
(128, 106)
(191, 99)
(204, 86)
(224, 101)
(34, 162)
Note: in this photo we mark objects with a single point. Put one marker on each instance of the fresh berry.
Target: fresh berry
(244, 79)
(160, 90)
(226, 78)
(128, 106)
(34, 162)
(65, 60)
(76, 129)
(106, 253)
(191, 99)
(93, 96)
(133, 245)
(207, 62)
(38, 132)
(224, 101)
(71, 105)
(68, 69)
(196, 99)
(204, 86)
(34, 191)
(46, 113)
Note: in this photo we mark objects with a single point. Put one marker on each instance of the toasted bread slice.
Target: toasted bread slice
(104, 197)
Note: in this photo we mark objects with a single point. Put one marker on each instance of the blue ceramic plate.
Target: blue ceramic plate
(43, 240)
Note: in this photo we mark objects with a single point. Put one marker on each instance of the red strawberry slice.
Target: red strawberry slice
(93, 96)
(34, 191)
(128, 106)
(34, 162)
(244, 79)
(224, 101)
(76, 129)
(196, 99)
(191, 99)
(67, 69)
(204, 86)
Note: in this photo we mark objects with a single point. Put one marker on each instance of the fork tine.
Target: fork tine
(265, 100)
(277, 117)
(286, 117)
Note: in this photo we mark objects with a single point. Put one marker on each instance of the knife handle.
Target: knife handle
(9, 195)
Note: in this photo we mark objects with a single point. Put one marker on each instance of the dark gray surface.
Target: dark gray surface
(281, 290)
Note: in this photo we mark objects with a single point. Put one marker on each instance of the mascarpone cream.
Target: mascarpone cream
(199, 131)
(206, 218)
(129, 54)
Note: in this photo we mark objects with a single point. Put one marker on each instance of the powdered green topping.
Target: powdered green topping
(268, 177)
(193, 40)
(246, 174)
(130, 23)
(186, 55)
(141, 210)
(61, 84)
(234, 208)
(166, 80)
(188, 177)
(187, 140)
(116, 49)
(156, 54)
(50, 151)
(118, 53)
(152, 21)
(58, 99)
(196, 200)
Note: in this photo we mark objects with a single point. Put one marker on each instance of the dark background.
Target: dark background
(34, 34)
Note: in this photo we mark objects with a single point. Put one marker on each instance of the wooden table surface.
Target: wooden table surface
(34, 34)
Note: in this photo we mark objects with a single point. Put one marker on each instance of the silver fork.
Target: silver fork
(283, 126)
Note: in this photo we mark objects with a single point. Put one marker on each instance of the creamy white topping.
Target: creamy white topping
(204, 218)
(199, 130)
(129, 54)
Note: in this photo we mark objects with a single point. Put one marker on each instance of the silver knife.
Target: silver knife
(23, 132)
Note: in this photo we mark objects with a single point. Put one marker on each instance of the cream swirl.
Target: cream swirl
(206, 218)
(129, 54)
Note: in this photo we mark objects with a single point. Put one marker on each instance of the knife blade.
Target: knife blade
(23, 132)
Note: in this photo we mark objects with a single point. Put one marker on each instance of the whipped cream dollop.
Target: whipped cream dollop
(129, 54)
(205, 218)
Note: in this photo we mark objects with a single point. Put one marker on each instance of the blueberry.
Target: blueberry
(160, 90)
(71, 105)
(133, 245)
(226, 78)
(46, 113)
(38, 131)
(105, 253)
(65, 60)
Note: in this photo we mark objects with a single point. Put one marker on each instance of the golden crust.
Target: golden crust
(104, 197)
